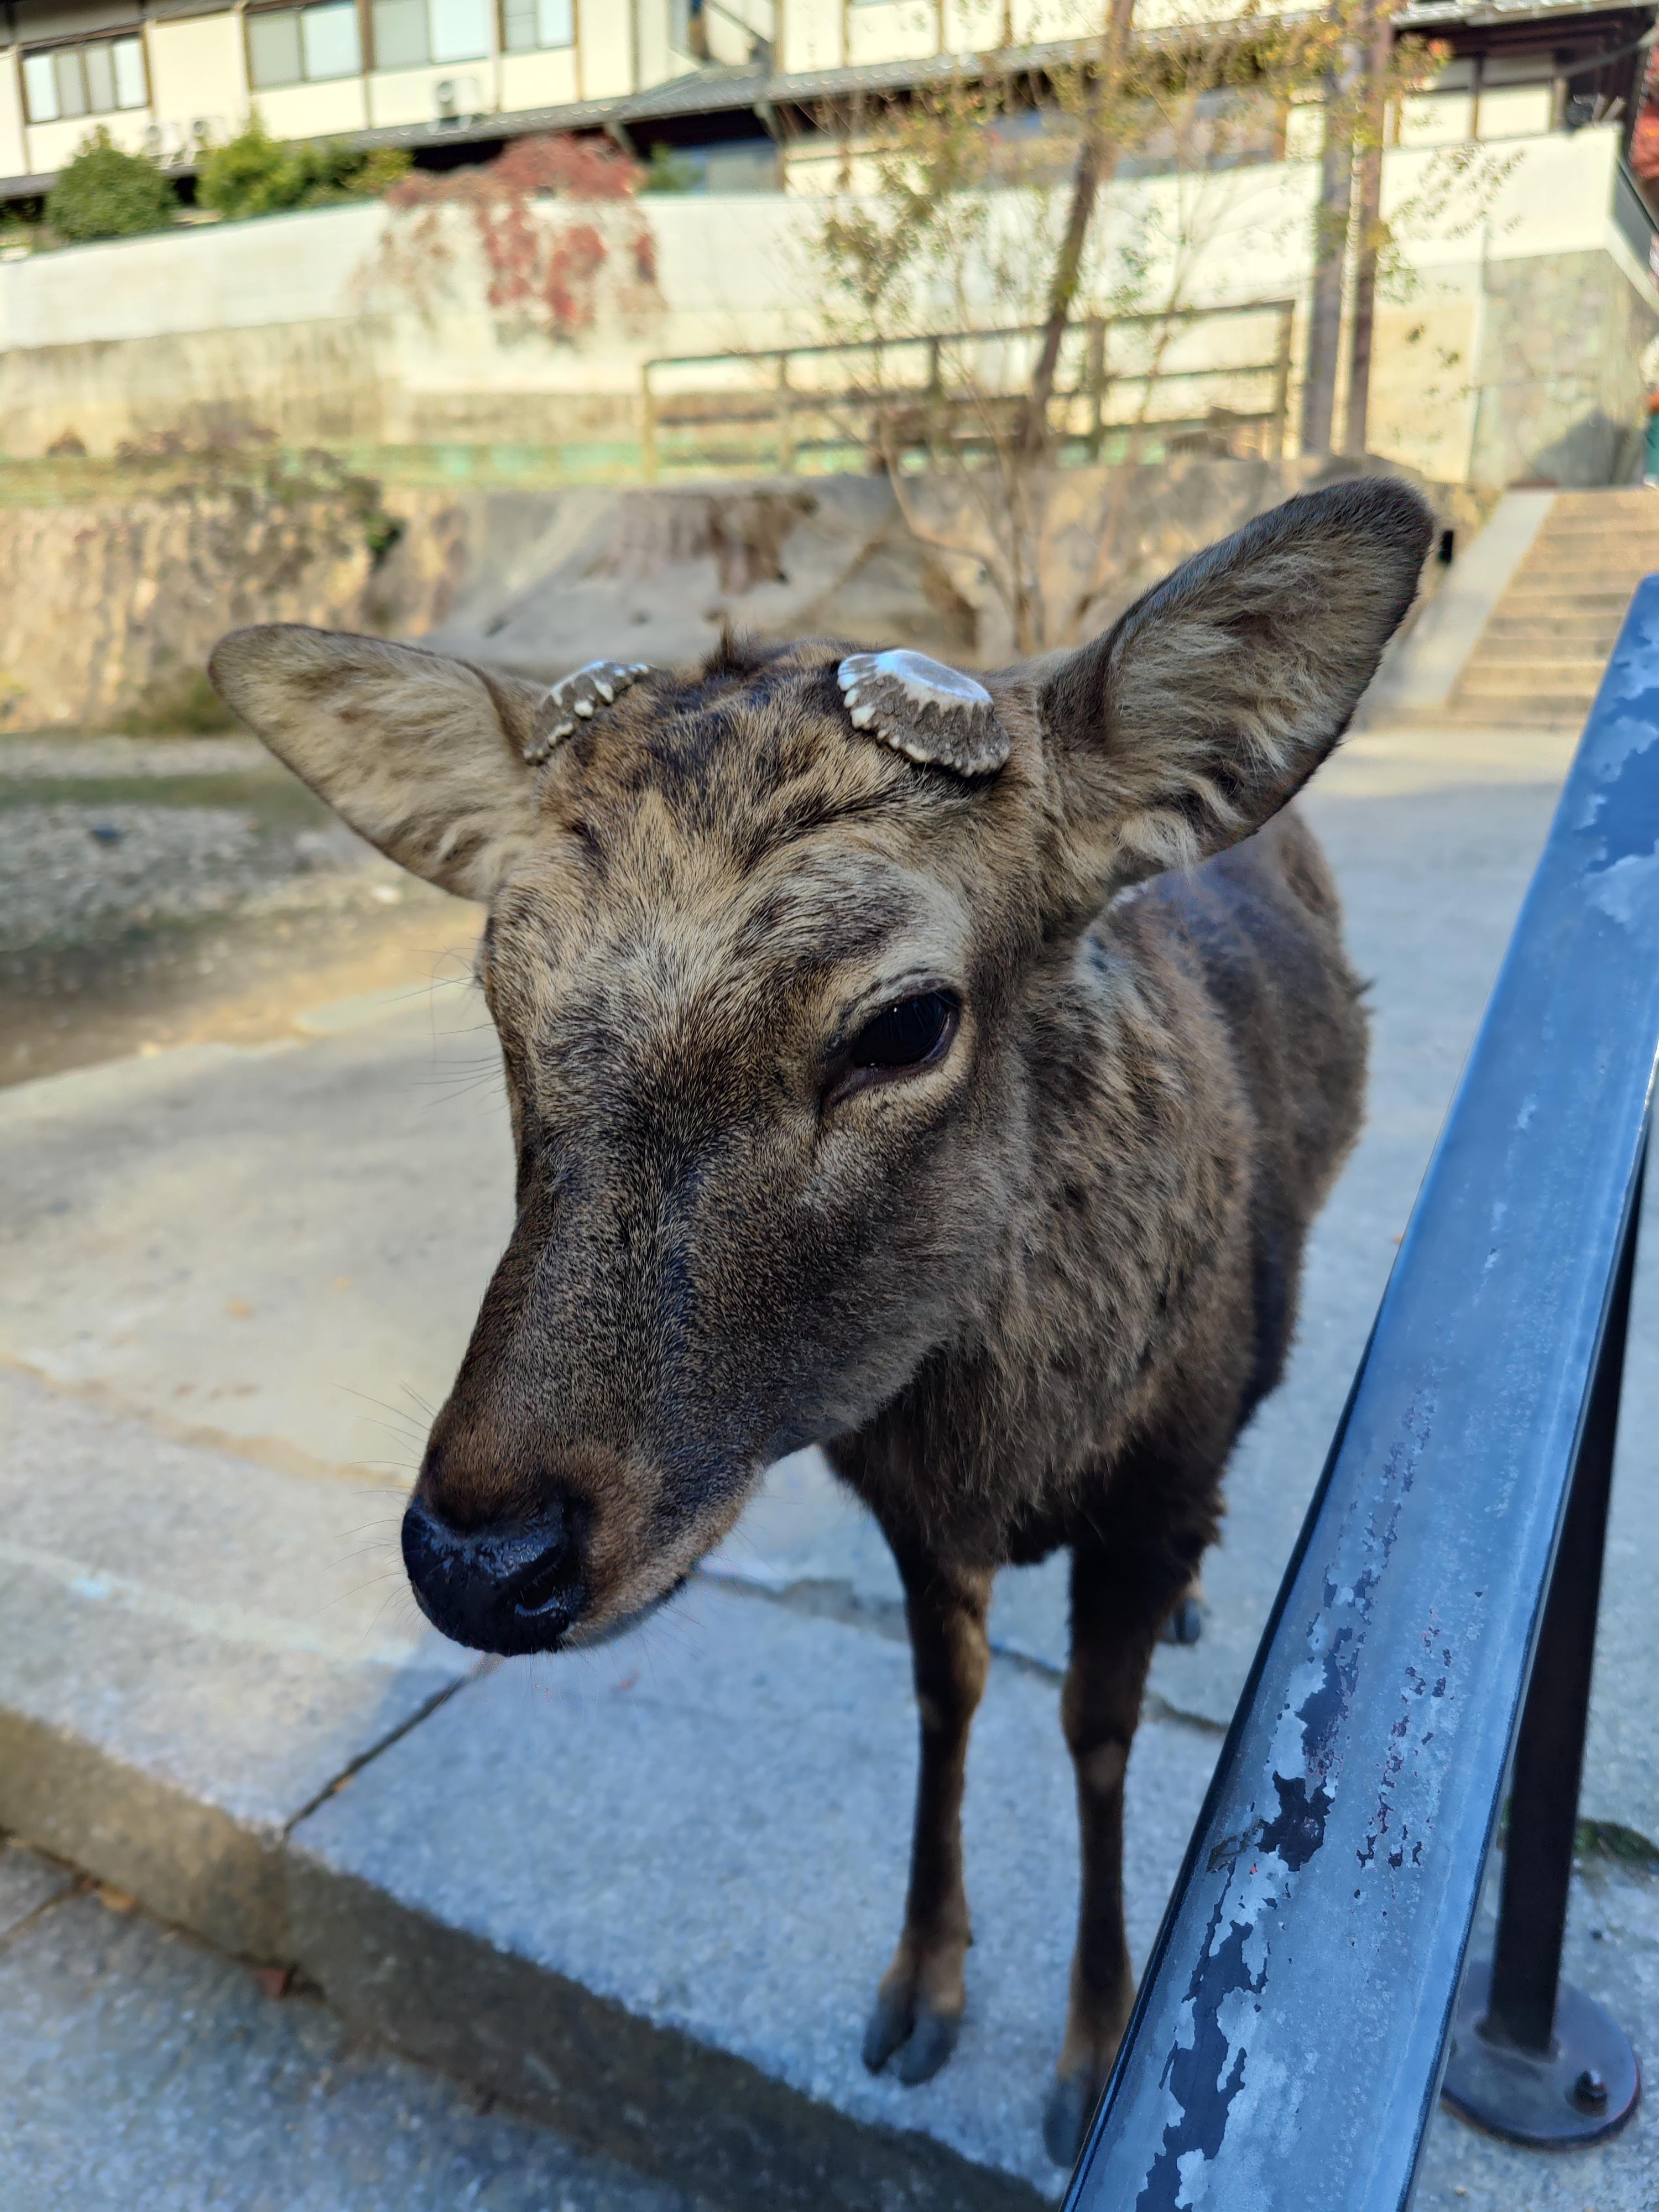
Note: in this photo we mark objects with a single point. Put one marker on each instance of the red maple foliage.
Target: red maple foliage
(544, 260)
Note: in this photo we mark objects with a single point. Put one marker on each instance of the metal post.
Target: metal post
(786, 420)
(1535, 2058)
(648, 427)
(1096, 374)
(1282, 379)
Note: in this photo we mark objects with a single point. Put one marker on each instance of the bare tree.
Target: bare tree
(1011, 315)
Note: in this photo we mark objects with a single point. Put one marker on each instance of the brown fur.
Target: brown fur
(1026, 1297)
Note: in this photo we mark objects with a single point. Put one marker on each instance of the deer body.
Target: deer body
(946, 1073)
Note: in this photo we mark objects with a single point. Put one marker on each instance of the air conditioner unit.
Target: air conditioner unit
(454, 99)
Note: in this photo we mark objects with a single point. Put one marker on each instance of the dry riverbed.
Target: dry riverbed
(155, 892)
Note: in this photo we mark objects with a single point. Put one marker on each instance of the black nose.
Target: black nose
(511, 1586)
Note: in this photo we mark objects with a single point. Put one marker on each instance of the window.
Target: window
(529, 23)
(736, 32)
(97, 78)
(408, 33)
(300, 46)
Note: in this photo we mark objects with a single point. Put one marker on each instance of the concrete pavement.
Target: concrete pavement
(230, 1281)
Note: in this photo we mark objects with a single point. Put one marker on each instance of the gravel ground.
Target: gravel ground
(157, 891)
(103, 836)
(71, 872)
(92, 757)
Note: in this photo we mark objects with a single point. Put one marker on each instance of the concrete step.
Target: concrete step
(1630, 540)
(189, 1663)
(1597, 634)
(1571, 585)
(1608, 500)
(1522, 717)
(1598, 609)
(1538, 656)
(646, 1893)
(1558, 687)
(146, 2062)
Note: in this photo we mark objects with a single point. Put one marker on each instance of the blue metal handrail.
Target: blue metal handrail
(1288, 2049)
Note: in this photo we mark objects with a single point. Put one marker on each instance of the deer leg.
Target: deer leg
(918, 2010)
(1121, 1595)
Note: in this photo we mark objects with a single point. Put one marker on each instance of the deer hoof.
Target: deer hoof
(1185, 1623)
(918, 2042)
(1066, 2116)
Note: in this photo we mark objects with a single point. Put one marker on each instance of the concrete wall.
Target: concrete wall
(126, 600)
(1509, 349)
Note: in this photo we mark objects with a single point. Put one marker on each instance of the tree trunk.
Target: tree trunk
(1330, 254)
(1093, 160)
(1371, 208)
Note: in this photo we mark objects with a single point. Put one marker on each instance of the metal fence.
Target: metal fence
(1214, 379)
(1432, 1641)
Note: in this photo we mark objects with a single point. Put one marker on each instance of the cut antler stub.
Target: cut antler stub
(575, 697)
(923, 709)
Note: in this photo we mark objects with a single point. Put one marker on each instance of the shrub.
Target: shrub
(669, 172)
(254, 174)
(105, 192)
(543, 263)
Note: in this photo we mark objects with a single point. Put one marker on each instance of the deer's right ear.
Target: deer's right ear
(422, 755)
(1215, 697)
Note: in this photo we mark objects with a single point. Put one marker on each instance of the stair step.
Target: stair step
(1497, 679)
(1598, 558)
(1485, 715)
(1542, 594)
(1611, 533)
(1564, 673)
(1604, 563)
(1530, 709)
(1607, 499)
(1567, 632)
(1531, 651)
(1525, 710)
(1576, 583)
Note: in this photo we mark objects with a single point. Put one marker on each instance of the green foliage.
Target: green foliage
(179, 704)
(254, 174)
(20, 229)
(668, 172)
(1608, 1839)
(105, 192)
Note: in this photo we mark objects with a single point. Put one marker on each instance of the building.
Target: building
(759, 92)
(1510, 355)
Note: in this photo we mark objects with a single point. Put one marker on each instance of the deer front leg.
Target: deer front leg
(918, 2010)
(1121, 1595)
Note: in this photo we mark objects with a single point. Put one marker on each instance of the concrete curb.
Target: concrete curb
(667, 2104)
(186, 1860)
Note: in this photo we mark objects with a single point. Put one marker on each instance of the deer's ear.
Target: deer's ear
(422, 755)
(1214, 698)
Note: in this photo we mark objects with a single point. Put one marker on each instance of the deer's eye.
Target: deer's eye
(908, 1034)
(903, 1035)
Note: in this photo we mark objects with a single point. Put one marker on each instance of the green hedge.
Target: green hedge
(254, 174)
(103, 191)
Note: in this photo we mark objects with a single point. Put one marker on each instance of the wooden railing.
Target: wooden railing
(1202, 379)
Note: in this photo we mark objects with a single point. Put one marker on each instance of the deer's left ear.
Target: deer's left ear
(1214, 698)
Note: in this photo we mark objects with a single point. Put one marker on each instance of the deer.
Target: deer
(942, 1068)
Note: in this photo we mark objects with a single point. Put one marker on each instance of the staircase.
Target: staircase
(1538, 662)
